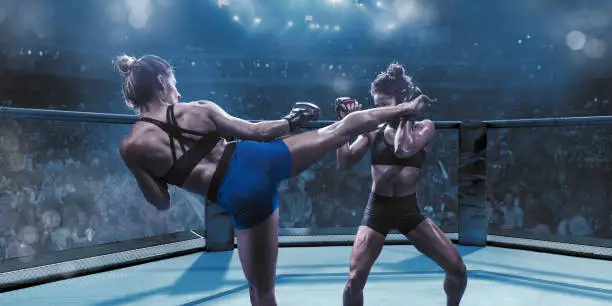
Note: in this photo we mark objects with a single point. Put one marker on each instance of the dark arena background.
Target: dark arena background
(518, 176)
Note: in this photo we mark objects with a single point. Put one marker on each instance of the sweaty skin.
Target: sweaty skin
(146, 152)
(146, 149)
(398, 181)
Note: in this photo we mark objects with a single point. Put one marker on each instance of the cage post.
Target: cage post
(472, 183)
(219, 231)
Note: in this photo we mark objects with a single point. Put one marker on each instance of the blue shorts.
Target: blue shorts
(248, 190)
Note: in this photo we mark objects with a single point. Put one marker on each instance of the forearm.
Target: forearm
(269, 130)
(343, 155)
(390, 112)
(161, 201)
(161, 205)
(403, 141)
(366, 121)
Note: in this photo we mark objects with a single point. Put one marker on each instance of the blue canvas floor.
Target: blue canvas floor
(316, 276)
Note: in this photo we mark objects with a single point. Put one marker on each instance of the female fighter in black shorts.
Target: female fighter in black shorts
(180, 144)
(398, 152)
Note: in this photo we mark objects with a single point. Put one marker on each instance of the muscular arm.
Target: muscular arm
(154, 190)
(409, 141)
(236, 127)
(349, 154)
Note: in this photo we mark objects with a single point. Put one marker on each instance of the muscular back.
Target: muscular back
(152, 144)
(147, 152)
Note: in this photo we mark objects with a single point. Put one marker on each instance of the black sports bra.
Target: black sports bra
(182, 167)
(383, 153)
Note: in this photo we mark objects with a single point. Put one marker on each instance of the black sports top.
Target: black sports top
(383, 153)
(182, 167)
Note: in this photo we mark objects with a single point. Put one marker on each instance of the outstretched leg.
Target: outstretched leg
(308, 147)
(429, 239)
(258, 251)
(367, 247)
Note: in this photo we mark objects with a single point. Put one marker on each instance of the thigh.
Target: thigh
(263, 163)
(258, 252)
(366, 249)
(307, 148)
(249, 188)
(429, 239)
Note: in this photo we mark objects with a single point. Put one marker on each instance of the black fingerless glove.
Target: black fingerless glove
(395, 122)
(301, 113)
(415, 92)
(338, 105)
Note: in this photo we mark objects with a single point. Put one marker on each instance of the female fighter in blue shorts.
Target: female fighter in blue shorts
(398, 150)
(181, 144)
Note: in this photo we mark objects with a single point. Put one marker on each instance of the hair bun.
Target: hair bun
(396, 71)
(125, 63)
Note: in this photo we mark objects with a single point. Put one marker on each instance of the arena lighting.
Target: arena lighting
(362, 3)
(576, 40)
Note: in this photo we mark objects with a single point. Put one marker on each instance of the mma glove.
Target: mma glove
(302, 112)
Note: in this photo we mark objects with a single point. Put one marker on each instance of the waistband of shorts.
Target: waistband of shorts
(381, 198)
(217, 178)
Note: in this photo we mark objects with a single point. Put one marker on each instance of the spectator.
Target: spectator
(63, 184)
(573, 223)
(513, 213)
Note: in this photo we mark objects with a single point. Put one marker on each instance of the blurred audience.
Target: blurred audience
(63, 185)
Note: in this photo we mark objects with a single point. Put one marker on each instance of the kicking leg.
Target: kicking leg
(308, 147)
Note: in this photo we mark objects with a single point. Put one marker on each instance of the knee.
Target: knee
(356, 282)
(261, 296)
(266, 301)
(457, 271)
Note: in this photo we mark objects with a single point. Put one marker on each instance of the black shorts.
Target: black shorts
(383, 214)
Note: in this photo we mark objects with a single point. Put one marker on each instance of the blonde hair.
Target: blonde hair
(140, 84)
